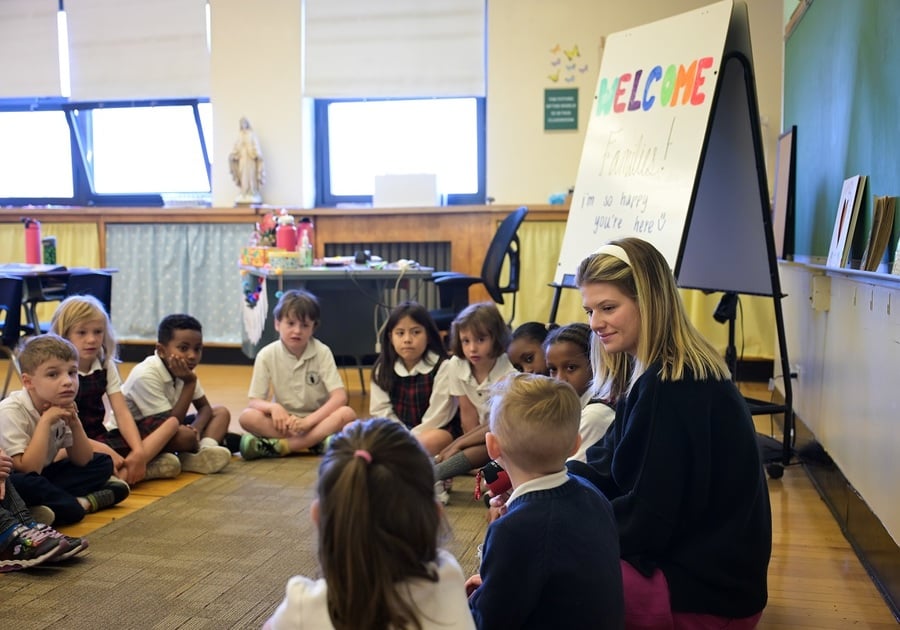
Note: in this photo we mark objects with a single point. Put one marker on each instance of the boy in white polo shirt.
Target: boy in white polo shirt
(165, 385)
(297, 397)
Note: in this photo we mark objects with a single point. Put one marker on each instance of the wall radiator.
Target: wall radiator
(435, 254)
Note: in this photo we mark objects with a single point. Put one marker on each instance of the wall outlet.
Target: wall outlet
(820, 293)
(795, 370)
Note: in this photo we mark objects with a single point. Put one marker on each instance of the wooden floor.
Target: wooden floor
(815, 579)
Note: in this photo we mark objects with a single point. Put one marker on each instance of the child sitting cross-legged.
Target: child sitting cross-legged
(297, 397)
(552, 559)
(165, 385)
(39, 421)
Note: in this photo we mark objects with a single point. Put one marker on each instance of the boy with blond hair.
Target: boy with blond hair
(41, 419)
(552, 558)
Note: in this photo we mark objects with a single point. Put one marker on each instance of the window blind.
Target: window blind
(29, 49)
(394, 48)
(138, 49)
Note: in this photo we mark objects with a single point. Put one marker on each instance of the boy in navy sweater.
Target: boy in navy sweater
(552, 559)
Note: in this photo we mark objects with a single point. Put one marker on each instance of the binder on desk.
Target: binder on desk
(30, 268)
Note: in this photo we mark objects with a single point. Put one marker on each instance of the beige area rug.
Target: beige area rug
(215, 554)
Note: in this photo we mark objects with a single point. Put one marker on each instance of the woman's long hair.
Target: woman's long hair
(378, 524)
(666, 335)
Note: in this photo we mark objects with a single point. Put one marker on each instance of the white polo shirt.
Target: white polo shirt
(19, 418)
(300, 385)
(463, 383)
(151, 389)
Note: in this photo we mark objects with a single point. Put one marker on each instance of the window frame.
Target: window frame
(79, 127)
(325, 198)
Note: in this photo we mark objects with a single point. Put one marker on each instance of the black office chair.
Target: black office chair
(11, 327)
(453, 288)
(91, 282)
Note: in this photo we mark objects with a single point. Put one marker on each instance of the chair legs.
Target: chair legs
(13, 365)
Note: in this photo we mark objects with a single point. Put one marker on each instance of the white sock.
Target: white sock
(207, 442)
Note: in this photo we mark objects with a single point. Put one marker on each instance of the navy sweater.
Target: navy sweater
(681, 466)
(552, 561)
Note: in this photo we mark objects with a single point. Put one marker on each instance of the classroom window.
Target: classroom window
(128, 154)
(359, 139)
(36, 161)
(146, 149)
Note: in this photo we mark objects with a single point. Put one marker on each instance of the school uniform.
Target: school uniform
(151, 390)
(60, 482)
(443, 409)
(92, 385)
(409, 398)
(441, 604)
(299, 384)
(552, 561)
(463, 383)
(596, 416)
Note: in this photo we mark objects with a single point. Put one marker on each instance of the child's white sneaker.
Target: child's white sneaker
(442, 491)
(208, 460)
(163, 466)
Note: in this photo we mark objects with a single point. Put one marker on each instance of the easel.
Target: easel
(719, 233)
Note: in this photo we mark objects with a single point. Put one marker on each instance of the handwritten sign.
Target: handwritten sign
(645, 135)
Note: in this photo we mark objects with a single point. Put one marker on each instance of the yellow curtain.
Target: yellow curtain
(540, 244)
(77, 245)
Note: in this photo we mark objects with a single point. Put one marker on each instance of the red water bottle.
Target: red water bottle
(32, 241)
(286, 233)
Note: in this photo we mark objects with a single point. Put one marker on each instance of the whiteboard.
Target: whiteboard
(645, 135)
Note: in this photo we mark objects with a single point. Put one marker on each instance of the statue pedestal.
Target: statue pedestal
(247, 200)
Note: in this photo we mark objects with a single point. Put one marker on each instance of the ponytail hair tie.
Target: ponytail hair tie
(363, 454)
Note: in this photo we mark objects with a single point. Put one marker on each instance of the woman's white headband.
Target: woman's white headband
(615, 251)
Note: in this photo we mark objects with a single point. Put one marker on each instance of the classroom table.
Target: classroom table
(355, 301)
(42, 283)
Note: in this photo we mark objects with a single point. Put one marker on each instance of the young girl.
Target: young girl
(525, 347)
(409, 379)
(479, 337)
(568, 353)
(378, 541)
(82, 320)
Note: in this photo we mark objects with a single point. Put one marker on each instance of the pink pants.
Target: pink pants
(647, 607)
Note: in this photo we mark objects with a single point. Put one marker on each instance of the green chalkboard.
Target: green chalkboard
(842, 90)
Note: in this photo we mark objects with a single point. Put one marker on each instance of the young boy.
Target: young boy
(165, 385)
(38, 421)
(297, 397)
(552, 560)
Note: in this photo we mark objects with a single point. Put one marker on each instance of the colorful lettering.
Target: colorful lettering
(605, 94)
(623, 80)
(673, 85)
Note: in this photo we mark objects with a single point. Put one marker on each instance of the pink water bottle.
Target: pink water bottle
(286, 233)
(32, 241)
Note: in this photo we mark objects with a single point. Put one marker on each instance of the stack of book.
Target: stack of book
(845, 222)
(880, 234)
